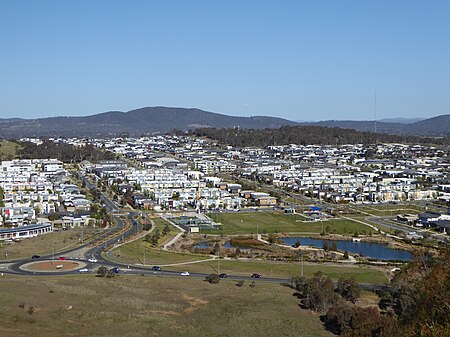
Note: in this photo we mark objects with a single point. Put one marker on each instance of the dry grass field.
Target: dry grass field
(134, 306)
(277, 222)
(46, 244)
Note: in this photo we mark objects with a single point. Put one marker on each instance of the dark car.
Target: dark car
(223, 275)
(156, 268)
(115, 270)
(34, 257)
(256, 275)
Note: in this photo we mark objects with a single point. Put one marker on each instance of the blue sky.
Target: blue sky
(301, 60)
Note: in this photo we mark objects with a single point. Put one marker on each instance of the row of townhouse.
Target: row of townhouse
(33, 188)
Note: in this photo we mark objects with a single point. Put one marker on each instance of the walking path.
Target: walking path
(176, 237)
(188, 262)
(362, 222)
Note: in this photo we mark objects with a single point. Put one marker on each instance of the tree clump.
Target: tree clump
(213, 278)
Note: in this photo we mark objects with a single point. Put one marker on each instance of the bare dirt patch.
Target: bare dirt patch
(196, 303)
(53, 265)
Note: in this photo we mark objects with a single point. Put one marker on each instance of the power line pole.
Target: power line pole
(375, 117)
(143, 245)
(302, 263)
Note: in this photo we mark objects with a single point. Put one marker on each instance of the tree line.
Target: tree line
(65, 152)
(305, 135)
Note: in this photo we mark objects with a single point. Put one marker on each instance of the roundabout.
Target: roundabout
(52, 266)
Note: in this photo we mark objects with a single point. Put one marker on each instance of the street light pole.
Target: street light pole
(143, 245)
(302, 263)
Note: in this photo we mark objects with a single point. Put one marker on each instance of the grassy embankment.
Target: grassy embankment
(135, 306)
(133, 252)
(361, 274)
(46, 244)
(8, 150)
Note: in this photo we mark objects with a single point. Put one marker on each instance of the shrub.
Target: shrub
(213, 278)
(348, 289)
(240, 283)
(102, 271)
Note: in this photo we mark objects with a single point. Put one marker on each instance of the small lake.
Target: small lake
(368, 249)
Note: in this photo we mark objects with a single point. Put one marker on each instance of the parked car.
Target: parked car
(61, 258)
(156, 268)
(34, 257)
(223, 275)
(83, 270)
(185, 273)
(255, 275)
(92, 260)
(115, 270)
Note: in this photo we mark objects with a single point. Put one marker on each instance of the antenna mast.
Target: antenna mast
(375, 116)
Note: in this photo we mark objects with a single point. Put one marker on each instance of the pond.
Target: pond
(378, 251)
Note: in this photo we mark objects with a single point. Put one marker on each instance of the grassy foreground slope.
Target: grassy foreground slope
(136, 306)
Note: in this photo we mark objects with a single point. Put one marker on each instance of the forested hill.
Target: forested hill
(135, 122)
(305, 135)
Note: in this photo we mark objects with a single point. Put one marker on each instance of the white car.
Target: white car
(185, 273)
(83, 270)
(92, 260)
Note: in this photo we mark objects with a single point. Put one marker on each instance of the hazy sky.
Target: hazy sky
(301, 60)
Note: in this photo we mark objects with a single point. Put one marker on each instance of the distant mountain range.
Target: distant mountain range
(151, 120)
(401, 120)
(384, 120)
(435, 126)
(135, 122)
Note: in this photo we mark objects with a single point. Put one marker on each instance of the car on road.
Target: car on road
(156, 268)
(223, 275)
(255, 275)
(93, 260)
(34, 257)
(185, 273)
(83, 270)
(62, 258)
(115, 270)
